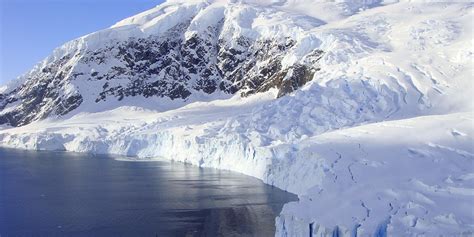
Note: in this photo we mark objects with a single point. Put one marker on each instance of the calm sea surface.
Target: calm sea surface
(69, 194)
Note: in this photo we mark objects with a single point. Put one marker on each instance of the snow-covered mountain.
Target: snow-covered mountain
(178, 50)
(363, 108)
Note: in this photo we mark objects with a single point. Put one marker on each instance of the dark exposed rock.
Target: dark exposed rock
(69, 104)
(295, 77)
(168, 65)
(39, 96)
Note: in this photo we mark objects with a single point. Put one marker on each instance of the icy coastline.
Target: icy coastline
(415, 181)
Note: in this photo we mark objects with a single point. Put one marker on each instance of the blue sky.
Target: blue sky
(31, 29)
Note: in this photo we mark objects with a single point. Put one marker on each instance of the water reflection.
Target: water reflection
(46, 193)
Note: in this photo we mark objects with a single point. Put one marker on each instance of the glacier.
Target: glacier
(378, 143)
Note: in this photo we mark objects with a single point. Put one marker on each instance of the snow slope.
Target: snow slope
(379, 143)
(410, 177)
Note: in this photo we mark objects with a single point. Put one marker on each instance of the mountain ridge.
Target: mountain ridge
(164, 57)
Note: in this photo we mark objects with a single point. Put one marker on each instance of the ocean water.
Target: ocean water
(69, 194)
